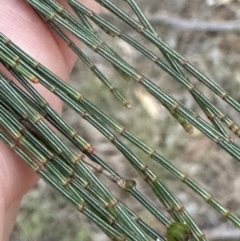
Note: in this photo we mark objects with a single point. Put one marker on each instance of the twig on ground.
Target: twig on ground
(166, 18)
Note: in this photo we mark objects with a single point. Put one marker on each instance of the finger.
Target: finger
(36, 39)
(22, 25)
(17, 24)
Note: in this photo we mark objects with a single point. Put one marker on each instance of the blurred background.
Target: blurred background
(208, 34)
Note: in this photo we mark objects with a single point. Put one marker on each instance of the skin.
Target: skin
(20, 23)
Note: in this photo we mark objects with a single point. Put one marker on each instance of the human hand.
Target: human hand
(20, 23)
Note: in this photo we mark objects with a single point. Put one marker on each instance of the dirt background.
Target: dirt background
(186, 25)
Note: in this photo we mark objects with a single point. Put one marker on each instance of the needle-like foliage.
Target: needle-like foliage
(25, 116)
